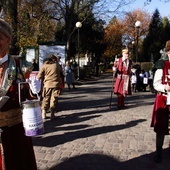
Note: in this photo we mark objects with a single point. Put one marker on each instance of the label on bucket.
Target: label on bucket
(32, 121)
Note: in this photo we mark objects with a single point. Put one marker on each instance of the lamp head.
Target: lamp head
(137, 24)
(78, 24)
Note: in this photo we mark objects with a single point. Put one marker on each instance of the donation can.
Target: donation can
(32, 118)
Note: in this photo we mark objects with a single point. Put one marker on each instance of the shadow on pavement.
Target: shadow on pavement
(96, 161)
(103, 102)
(52, 141)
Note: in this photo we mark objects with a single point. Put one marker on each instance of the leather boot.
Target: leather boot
(44, 114)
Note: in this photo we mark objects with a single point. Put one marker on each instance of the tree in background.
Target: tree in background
(153, 42)
(91, 37)
(32, 18)
(29, 21)
(121, 33)
(165, 33)
(8, 9)
(35, 24)
(113, 38)
(130, 31)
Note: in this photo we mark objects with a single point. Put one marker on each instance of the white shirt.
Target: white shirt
(157, 82)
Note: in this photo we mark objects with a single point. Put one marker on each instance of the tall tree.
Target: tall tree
(122, 32)
(153, 42)
(34, 23)
(113, 38)
(133, 34)
(165, 34)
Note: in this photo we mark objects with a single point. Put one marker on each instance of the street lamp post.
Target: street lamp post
(78, 25)
(133, 50)
(137, 25)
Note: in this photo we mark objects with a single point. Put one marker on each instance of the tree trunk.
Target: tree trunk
(13, 12)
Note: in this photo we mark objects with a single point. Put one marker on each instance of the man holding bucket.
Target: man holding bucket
(16, 149)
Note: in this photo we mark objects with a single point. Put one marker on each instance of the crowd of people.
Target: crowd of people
(141, 79)
(130, 78)
(16, 149)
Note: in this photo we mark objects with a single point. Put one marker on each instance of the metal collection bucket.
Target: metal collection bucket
(32, 116)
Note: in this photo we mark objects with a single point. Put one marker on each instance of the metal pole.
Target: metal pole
(78, 67)
(137, 43)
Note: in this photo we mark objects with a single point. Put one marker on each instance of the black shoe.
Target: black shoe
(121, 107)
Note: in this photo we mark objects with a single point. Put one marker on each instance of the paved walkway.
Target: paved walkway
(88, 135)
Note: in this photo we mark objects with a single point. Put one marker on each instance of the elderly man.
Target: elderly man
(122, 86)
(16, 149)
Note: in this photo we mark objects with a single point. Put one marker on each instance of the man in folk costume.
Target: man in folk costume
(16, 149)
(122, 85)
(161, 110)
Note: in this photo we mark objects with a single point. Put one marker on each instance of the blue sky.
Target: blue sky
(164, 8)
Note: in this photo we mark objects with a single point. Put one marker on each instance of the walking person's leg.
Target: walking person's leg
(69, 86)
(54, 102)
(73, 84)
(45, 102)
(133, 87)
(120, 101)
(159, 145)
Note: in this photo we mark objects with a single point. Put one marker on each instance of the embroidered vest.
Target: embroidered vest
(166, 72)
(12, 72)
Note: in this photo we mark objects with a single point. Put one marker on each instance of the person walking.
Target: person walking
(69, 73)
(141, 76)
(16, 149)
(145, 80)
(49, 73)
(122, 86)
(133, 79)
(161, 110)
(62, 76)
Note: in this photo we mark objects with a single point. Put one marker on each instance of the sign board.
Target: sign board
(30, 54)
(46, 50)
